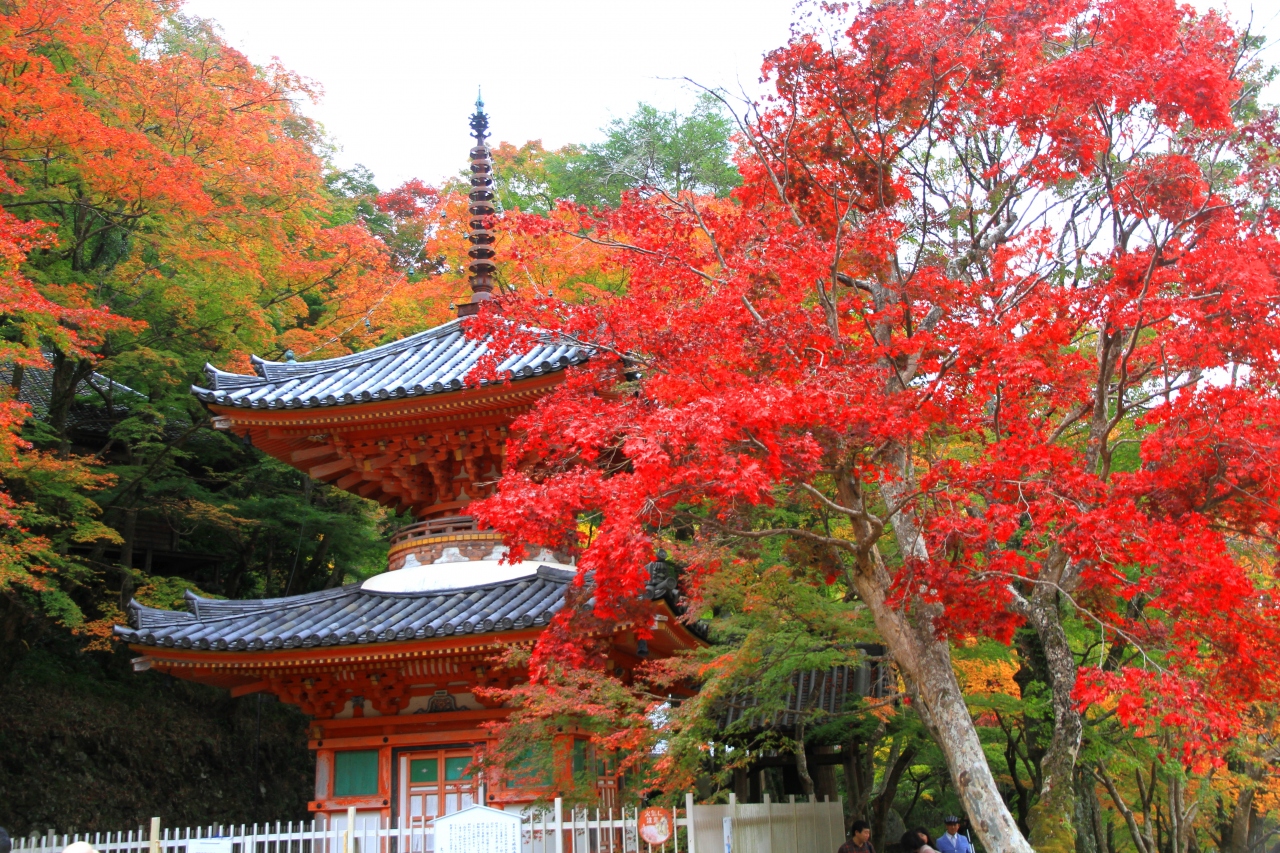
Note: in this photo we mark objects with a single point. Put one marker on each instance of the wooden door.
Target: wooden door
(434, 783)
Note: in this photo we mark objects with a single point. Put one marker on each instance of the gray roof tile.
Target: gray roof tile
(351, 614)
(348, 615)
(429, 362)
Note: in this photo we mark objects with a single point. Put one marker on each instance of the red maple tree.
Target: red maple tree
(998, 298)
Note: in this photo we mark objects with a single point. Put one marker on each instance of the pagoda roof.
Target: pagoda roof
(430, 362)
(351, 614)
(375, 611)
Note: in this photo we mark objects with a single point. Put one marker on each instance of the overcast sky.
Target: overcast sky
(400, 76)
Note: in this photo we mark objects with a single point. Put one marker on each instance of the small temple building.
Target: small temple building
(388, 669)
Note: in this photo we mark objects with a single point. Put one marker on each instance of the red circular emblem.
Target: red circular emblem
(655, 825)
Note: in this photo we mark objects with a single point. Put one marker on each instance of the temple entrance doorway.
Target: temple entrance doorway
(434, 783)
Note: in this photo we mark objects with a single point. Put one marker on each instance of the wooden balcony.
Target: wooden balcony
(427, 540)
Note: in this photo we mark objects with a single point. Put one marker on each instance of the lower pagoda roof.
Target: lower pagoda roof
(430, 362)
(407, 604)
(357, 613)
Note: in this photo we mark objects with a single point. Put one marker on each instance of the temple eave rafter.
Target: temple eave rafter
(428, 454)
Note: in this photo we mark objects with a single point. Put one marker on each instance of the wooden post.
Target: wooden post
(795, 825)
(348, 845)
(690, 844)
(155, 835)
(840, 811)
(768, 817)
(559, 818)
(733, 820)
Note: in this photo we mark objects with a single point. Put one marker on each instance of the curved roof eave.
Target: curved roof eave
(433, 361)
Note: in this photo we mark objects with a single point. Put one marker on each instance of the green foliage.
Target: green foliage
(651, 151)
(249, 525)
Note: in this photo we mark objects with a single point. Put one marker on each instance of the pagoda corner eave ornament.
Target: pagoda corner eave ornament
(482, 211)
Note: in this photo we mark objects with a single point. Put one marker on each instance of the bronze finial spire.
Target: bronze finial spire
(482, 213)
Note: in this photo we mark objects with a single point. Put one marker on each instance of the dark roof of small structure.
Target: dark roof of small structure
(429, 362)
(36, 390)
(352, 614)
(837, 690)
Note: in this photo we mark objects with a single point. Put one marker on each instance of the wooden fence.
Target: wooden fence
(791, 827)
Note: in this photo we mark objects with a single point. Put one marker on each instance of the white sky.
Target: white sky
(400, 76)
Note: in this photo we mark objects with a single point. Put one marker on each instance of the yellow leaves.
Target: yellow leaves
(99, 631)
(986, 677)
(214, 516)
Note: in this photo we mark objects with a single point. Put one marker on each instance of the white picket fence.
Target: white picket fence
(793, 827)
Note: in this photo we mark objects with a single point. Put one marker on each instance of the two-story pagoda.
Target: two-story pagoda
(388, 668)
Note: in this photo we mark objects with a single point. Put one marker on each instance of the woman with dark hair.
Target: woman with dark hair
(915, 841)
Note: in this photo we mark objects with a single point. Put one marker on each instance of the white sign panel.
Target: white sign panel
(209, 845)
(478, 829)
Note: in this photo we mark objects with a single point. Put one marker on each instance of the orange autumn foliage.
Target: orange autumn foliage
(163, 202)
(985, 677)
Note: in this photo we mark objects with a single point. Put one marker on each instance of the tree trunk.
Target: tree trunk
(860, 774)
(1091, 836)
(882, 803)
(802, 758)
(128, 527)
(67, 375)
(825, 786)
(924, 659)
(231, 583)
(925, 662)
(1241, 820)
(1052, 818)
(317, 563)
(742, 784)
(1139, 832)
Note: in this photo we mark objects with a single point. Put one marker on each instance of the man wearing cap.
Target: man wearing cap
(952, 841)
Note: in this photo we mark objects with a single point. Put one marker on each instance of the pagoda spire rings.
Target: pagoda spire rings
(482, 210)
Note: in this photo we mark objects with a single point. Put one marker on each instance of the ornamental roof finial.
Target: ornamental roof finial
(482, 212)
(479, 120)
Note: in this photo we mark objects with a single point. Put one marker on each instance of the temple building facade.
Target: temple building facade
(389, 669)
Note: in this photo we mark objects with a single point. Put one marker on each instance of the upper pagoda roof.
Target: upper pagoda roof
(430, 362)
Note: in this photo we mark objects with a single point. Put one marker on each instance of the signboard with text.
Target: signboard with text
(478, 829)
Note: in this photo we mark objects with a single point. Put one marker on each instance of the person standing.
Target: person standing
(952, 841)
(6, 843)
(859, 839)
